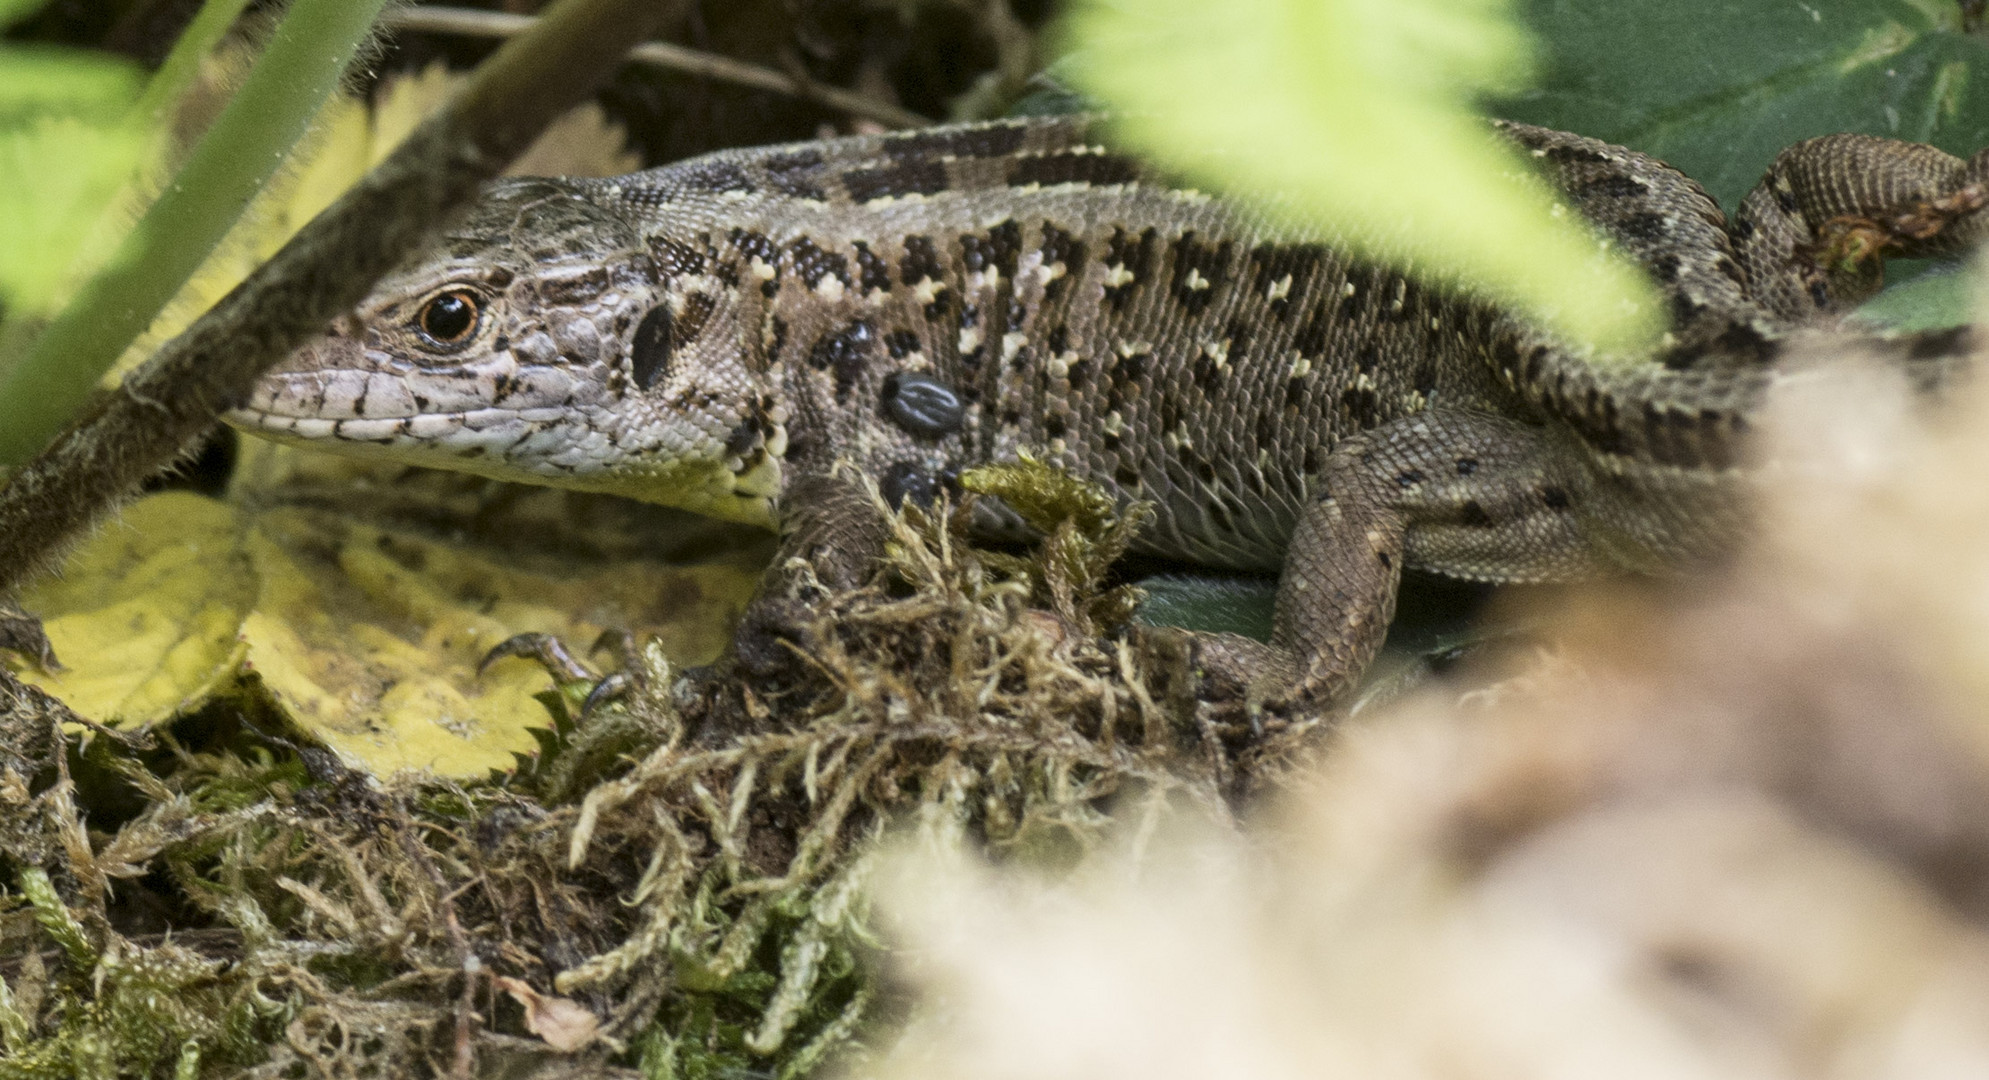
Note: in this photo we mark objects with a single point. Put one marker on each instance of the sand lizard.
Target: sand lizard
(720, 333)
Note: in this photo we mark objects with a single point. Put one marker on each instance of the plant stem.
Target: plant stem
(173, 398)
(303, 64)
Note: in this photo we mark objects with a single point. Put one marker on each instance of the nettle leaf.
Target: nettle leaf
(1718, 88)
(1351, 115)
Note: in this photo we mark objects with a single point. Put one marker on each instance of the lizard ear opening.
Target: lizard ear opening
(649, 353)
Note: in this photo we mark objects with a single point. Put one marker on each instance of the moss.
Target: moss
(690, 867)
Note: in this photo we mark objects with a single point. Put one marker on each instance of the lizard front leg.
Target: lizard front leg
(829, 523)
(1466, 494)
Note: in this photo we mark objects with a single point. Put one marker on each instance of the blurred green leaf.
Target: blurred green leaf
(1718, 88)
(1351, 114)
(67, 146)
(38, 80)
(13, 11)
(1941, 297)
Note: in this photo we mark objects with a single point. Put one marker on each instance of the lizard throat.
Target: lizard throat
(526, 447)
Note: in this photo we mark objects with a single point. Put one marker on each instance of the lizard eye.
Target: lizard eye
(450, 318)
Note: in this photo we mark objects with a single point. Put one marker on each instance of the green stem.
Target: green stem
(303, 64)
(180, 66)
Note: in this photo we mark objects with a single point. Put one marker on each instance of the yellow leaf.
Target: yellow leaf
(370, 638)
(145, 615)
(366, 635)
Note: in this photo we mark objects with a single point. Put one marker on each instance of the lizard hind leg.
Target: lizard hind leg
(1466, 494)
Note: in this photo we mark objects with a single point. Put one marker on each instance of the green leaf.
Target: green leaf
(1350, 114)
(1943, 296)
(13, 11)
(1717, 88)
(66, 149)
(36, 80)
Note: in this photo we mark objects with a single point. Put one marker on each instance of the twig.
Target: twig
(471, 21)
(170, 401)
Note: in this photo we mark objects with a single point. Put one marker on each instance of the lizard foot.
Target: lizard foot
(568, 670)
(22, 633)
(1233, 685)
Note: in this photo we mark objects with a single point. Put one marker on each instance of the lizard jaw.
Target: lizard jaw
(474, 442)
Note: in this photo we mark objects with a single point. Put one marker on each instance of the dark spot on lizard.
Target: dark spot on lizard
(649, 351)
(905, 176)
(998, 249)
(1239, 340)
(1208, 376)
(1133, 256)
(1404, 304)
(1272, 263)
(743, 437)
(873, 273)
(845, 352)
(1126, 475)
(921, 404)
(1362, 407)
(1311, 338)
(1200, 270)
(908, 480)
(1554, 498)
(779, 343)
(1409, 478)
(1058, 339)
(1072, 167)
(1575, 155)
(1129, 369)
(574, 289)
(1613, 186)
(901, 343)
(978, 141)
(1647, 228)
(1080, 372)
(1425, 379)
(1466, 466)
(1054, 425)
(813, 264)
(921, 261)
(1473, 515)
(674, 258)
(1309, 462)
(713, 177)
(1061, 249)
(797, 174)
(690, 322)
(1353, 293)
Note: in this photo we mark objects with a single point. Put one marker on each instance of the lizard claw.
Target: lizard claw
(551, 653)
(22, 633)
(614, 687)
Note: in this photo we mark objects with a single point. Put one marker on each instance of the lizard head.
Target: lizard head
(544, 340)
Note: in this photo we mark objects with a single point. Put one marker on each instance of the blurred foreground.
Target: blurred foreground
(1736, 828)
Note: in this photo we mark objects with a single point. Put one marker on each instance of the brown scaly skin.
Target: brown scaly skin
(720, 333)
